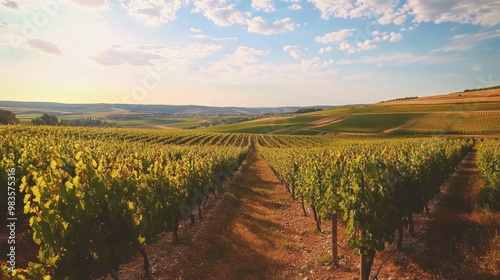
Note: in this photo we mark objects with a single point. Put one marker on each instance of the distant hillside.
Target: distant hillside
(490, 95)
(61, 109)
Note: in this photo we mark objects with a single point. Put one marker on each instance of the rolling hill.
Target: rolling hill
(463, 113)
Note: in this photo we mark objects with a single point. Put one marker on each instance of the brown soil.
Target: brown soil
(461, 236)
(268, 119)
(26, 249)
(327, 120)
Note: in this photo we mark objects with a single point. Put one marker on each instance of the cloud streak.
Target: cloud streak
(44, 46)
(11, 4)
(466, 42)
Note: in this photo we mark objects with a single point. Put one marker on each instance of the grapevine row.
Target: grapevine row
(376, 186)
(488, 161)
(92, 204)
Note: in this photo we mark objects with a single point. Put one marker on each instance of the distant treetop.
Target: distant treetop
(45, 119)
(7, 117)
(485, 88)
(402, 98)
(308, 110)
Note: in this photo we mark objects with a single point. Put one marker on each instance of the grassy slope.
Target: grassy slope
(181, 123)
(370, 123)
(267, 125)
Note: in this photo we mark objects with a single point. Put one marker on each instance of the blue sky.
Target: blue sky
(245, 53)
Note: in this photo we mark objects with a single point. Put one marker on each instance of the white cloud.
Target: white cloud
(226, 16)
(465, 42)
(264, 5)
(315, 63)
(325, 50)
(386, 11)
(344, 62)
(202, 5)
(295, 7)
(92, 3)
(478, 12)
(371, 44)
(198, 34)
(294, 51)
(395, 37)
(477, 67)
(154, 12)
(121, 56)
(225, 39)
(346, 47)
(342, 40)
(143, 55)
(44, 46)
(335, 37)
(260, 26)
(333, 8)
(220, 14)
(406, 58)
(396, 17)
(366, 45)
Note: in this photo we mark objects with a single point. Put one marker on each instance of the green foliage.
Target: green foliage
(479, 89)
(266, 125)
(326, 258)
(488, 160)
(373, 184)
(33, 271)
(93, 202)
(369, 123)
(45, 119)
(7, 117)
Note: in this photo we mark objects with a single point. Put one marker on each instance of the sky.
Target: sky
(250, 53)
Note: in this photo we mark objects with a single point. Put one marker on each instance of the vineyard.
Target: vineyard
(95, 197)
(489, 166)
(454, 123)
(375, 190)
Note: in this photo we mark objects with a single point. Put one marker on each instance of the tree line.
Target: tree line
(8, 117)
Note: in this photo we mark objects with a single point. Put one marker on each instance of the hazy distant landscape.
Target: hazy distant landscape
(468, 112)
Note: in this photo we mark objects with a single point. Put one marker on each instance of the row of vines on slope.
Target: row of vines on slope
(488, 158)
(92, 204)
(376, 186)
(175, 137)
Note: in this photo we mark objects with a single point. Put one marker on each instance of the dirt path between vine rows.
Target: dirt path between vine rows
(255, 231)
(461, 240)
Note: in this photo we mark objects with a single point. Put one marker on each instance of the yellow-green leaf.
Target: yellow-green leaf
(53, 164)
(69, 185)
(36, 193)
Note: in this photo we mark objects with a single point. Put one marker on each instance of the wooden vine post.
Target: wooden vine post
(335, 259)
